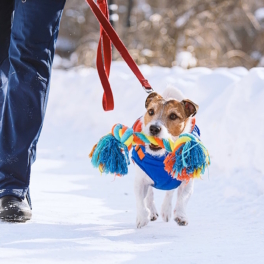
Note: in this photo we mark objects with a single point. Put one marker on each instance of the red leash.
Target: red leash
(104, 57)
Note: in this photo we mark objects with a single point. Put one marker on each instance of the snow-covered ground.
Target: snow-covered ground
(82, 217)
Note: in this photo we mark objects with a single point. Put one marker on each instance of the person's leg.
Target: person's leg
(6, 10)
(33, 37)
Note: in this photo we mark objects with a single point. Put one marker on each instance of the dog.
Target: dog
(166, 117)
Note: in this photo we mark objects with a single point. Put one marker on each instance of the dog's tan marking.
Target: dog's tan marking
(154, 101)
(151, 97)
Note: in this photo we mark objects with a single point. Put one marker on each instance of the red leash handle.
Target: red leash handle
(103, 60)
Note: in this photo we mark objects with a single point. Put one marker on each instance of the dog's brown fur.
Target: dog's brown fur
(163, 110)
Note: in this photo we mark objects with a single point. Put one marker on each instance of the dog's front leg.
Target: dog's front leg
(142, 183)
(185, 191)
(149, 200)
(166, 206)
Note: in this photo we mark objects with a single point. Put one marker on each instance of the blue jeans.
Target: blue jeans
(27, 46)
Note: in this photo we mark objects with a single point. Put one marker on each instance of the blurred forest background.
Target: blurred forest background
(209, 33)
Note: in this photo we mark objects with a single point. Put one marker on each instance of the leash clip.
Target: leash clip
(148, 90)
(146, 86)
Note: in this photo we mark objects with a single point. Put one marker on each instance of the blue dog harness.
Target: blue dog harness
(153, 166)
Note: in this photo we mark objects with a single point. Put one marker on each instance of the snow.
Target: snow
(259, 14)
(183, 19)
(185, 59)
(82, 217)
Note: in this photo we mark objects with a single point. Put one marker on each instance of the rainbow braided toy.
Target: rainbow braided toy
(188, 158)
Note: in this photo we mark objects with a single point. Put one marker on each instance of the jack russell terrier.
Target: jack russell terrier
(166, 116)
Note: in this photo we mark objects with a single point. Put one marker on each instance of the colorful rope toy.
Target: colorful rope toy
(188, 158)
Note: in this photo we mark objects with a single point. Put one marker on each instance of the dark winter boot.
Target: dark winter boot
(13, 209)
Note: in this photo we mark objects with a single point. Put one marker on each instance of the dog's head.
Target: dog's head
(166, 118)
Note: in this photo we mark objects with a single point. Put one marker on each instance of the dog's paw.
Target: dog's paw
(166, 212)
(142, 220)
(153, 216)
(181, 221)
(153, 213)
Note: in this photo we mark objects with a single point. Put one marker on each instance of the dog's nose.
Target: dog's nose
(154, 130)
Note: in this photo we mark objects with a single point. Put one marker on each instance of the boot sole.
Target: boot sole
(16, 219)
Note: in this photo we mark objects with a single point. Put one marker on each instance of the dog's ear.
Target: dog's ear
(190, 108)
(151, 97)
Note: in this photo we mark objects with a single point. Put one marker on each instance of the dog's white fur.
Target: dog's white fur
(146, 209)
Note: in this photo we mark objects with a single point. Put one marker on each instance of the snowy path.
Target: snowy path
(82, 217)
(91, 219)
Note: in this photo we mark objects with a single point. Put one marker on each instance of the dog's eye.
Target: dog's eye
(151, 112)
(173, 116)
